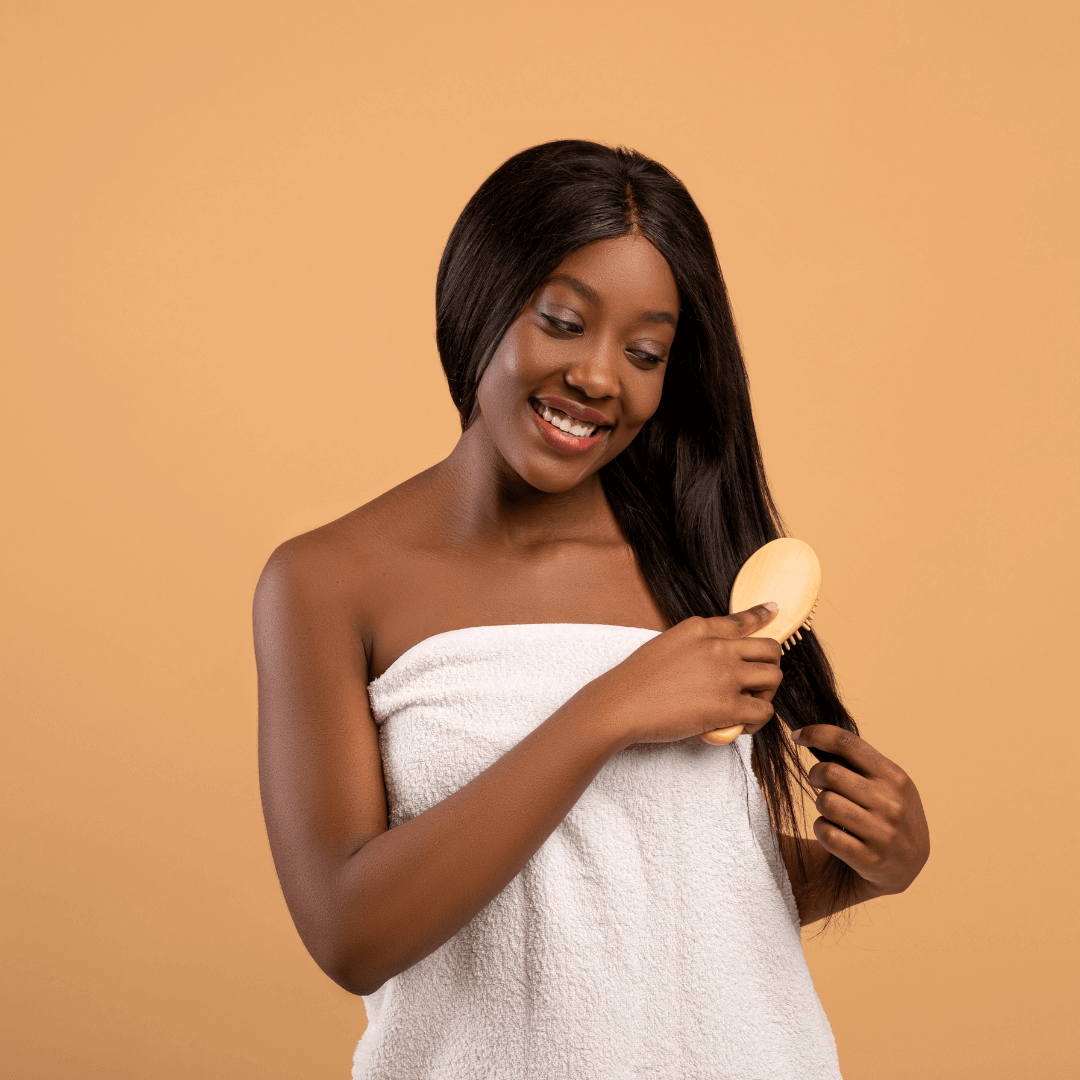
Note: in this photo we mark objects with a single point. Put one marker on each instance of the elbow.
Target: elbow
(348, 942)
(351, 941)
(354, 979)
(357, 983)
(351, 968)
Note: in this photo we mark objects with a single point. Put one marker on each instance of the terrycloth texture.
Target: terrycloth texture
(654, 933)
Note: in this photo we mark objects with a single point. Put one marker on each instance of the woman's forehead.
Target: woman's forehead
(624, 268)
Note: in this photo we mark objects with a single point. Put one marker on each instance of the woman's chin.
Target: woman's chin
(556, 481)
(553, 477)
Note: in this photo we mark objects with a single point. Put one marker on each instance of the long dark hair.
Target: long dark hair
(689, 493)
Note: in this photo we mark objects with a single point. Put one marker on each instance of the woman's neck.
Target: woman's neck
(487, 502)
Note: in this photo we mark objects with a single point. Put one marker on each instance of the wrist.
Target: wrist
(867, 890)
(596, 719)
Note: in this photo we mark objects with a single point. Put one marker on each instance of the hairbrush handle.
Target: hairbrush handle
(787, 572)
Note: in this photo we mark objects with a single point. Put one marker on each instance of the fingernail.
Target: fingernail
(795, 734)
(772, 605)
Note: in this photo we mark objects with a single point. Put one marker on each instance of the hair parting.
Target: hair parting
(690, 492)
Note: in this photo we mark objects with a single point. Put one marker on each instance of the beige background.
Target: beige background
(220, 228)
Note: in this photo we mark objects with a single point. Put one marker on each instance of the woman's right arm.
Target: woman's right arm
(369, 901)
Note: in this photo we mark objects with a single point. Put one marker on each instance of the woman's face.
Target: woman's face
(588, 353)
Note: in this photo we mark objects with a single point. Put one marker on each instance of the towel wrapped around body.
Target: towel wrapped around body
(654, 933)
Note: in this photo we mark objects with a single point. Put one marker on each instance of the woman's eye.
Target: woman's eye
(646, 357)
(562, 324)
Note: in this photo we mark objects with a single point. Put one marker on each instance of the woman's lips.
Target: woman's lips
(561, 440)
(572, 409)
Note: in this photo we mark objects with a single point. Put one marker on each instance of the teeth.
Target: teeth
(566, 423)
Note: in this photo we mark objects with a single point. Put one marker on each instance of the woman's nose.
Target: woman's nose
(593, 374)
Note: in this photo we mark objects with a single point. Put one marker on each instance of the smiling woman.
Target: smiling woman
(603, 326)
(480, 693)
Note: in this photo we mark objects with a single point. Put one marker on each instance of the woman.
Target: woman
(480, 694)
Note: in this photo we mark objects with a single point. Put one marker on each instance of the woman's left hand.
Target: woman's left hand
(871, 814)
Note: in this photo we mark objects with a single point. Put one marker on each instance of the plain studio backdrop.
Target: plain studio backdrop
(221, 223)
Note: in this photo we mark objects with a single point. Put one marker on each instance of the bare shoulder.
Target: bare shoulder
(341, 568)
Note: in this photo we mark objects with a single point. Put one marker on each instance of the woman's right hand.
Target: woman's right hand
(700, 675)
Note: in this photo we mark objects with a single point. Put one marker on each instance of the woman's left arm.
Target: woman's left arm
(871, 818)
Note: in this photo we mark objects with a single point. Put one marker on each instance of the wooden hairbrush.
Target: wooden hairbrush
(787, 572)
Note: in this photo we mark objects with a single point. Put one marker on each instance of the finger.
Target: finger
(832, 776)
(753, 712)
(743, 623)
(846, 815)
(757, 677)
(759, 650)
(844, 846)
(748, 712)
(846, 744)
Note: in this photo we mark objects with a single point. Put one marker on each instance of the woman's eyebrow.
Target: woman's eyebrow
(593, 297)
(583, 290)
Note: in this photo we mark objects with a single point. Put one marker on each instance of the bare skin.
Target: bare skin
(513, 527)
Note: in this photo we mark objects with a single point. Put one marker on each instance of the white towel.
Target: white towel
(654, 933)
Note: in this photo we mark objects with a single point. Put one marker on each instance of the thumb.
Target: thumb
(741, 624)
